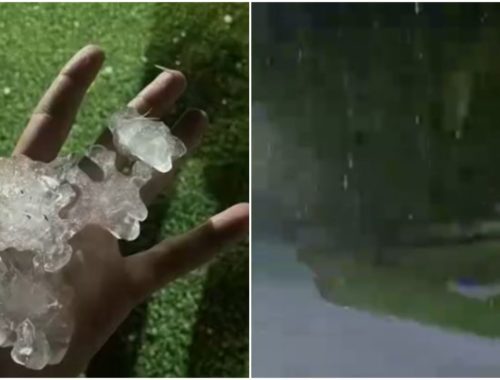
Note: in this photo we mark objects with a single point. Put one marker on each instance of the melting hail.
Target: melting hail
(43, 205)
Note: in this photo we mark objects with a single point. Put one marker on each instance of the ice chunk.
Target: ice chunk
(113, 202)
(31, 298)
(43, 205)
(31, 348)
(30, 199)
(146, 139)
(5, 332)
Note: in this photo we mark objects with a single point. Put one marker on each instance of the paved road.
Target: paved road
(296, 333)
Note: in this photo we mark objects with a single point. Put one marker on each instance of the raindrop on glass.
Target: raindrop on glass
(350, 160)
(345, 182)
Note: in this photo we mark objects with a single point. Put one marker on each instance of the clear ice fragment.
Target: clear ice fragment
(5, 332)
(31, 348)
(43, 205)
(146, 139)
(120, 213)
(30, 199)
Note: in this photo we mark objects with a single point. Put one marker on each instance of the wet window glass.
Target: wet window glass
(376, 189)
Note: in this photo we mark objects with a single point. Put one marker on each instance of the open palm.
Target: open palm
(107, 285)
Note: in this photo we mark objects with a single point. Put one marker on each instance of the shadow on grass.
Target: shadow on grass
(219, 346)
(212, 61)
(118, 356)
(212, 65)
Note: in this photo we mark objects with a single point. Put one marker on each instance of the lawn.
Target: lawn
(198, 326)
(414, 284)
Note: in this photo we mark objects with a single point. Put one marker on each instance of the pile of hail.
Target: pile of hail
(43, 205)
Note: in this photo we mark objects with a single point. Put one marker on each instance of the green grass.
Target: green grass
(413, 285)
(198, 326)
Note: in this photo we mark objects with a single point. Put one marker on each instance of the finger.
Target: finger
(170, 259)
(190, 128)
(55, 113)
(159, 96)
(154, 100)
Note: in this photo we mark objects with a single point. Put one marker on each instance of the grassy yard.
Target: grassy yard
(198, 326)
(414, 285)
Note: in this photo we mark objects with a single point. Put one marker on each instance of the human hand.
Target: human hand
(107, 285)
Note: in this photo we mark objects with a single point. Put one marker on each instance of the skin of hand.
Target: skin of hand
(107, 285)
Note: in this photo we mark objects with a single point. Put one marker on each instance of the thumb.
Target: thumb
(152, 269)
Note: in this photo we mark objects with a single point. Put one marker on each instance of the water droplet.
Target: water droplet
(299, 56)
(417, 119)
(410, 216)
(420, 55)
(228, 19)
(417, 8)
(107, 71)
(350, 160)
(458, 134)
(345, 182)
(6, 90)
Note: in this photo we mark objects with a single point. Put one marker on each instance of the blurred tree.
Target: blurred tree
(383, 117)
